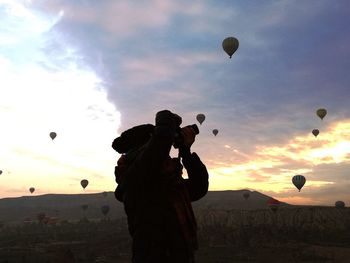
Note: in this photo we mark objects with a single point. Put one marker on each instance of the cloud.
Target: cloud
(331, 146)
(14, 191)
(157, 68)
(323, 194)
(323, 161)
(122, 18)
(149, 55)
(142, 57)
(257, 177)
(47, 87)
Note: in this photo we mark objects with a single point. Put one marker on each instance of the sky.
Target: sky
(88, 70)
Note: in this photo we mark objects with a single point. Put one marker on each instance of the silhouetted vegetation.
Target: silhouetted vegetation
(290, 235)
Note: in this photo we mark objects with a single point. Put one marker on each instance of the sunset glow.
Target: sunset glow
(88, 74)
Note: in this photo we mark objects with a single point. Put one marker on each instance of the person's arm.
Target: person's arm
(198, 177)
(119, 172)
(197, 182)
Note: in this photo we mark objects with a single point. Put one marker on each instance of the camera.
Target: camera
(179, 140)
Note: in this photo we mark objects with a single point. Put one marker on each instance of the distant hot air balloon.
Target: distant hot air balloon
(53, 135)
(321, 113)
(31, 190)
(200, 118)
(84, 183)
(105, 209)
(273, 204)
(215, 132)
(298, 181)
(246, 195)
(41, 217)
(339, 204)
(230, 45)
(315, 132)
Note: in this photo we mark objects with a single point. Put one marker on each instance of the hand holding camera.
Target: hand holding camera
(188, 133)
(185, 136)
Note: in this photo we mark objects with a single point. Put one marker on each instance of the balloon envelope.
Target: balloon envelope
(200, 118)
(105, 209)
(84, 183)
(339, 204)
(215, 132)
(41, 216)
(273, 204)
(315, 132)
(31, 190)
(53, 135)
(230, 45)
(321, 113)
(246, 195)
(298, 181)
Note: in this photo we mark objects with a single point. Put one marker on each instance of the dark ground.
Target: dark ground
(221, 239)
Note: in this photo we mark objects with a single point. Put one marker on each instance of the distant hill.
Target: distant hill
(64, 206)
(69, 206)
(227, 200)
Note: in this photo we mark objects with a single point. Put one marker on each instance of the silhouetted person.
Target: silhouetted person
(157, 200)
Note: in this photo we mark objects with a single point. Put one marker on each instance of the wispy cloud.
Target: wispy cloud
(122, 18)
(323, 161)
(332, 145)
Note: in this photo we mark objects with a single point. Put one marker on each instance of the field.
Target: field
(296, 234)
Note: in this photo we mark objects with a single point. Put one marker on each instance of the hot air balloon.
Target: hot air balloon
(321, 113)
(200, 118)
(105, 209)
(230, 45)
(273, 204)
(315, 132)
(53, 135)
(298, 181)
(84, 183)
(31, 190)
(215, 132)
(339, 204)
(246, 195)
(41, 217)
